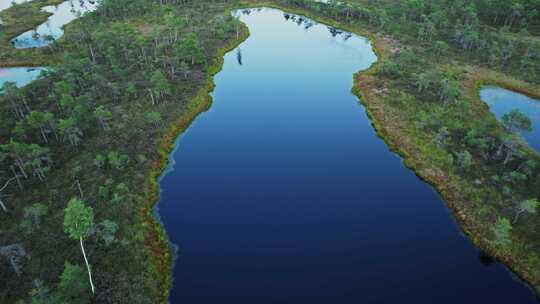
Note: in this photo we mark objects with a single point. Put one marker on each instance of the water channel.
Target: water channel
(283, 193)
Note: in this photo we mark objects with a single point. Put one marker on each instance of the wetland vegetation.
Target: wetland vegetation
(81, 147)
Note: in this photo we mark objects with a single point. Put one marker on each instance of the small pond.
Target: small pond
(62, 14)
(502, 101)
(21, 76)
(5, 4)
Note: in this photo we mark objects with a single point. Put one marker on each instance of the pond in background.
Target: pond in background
(62, 14)
(502, 101)
(5, 4)
(21, 76)
(283, 193)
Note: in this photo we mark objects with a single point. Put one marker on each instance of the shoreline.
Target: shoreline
(427, 172)
(449, 193)
(156, 243)
(156, 239)
(431, 174)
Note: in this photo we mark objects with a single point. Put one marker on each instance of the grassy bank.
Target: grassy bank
(463, 195)
(457, 197)
(156, 239)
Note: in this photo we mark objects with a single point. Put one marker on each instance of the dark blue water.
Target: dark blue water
(62, 14)
(502, 101)
(20, 76)
(282, 193)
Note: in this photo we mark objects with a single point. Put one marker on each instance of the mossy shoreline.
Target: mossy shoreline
(156, 238)
(393, 137)
(442, 182)
(450, 193)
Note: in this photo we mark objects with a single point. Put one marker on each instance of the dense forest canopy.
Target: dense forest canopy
(125, 72)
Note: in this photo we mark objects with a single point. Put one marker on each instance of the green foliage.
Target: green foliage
(120, 193)
(478, 30)
(516, 121)
(105, 231)
(27, 158)
(103, 117)
(103, 192)
(390, 69)
(41, 294)
(114, 59)
(189, 49)
(160, 84)
(464, 160)
(78, 219)
(449, 90)
(529, 206)
(153, 118)
(423, 81)
(95, 100)
(440, 47)
(73, 286)
(100, 161)
(70, 131)
(117, 161)
(67, 102)
(42, 123)
(502, 231)
(141, 158)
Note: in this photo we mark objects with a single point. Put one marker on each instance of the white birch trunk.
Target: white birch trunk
(87, 266)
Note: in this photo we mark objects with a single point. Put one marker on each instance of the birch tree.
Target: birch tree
(4, 187)
(78, 224)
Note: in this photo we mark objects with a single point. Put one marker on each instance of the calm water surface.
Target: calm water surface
(282, 192)
(5, 4)
(502, 101)
(61, 15)
(21, 76)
